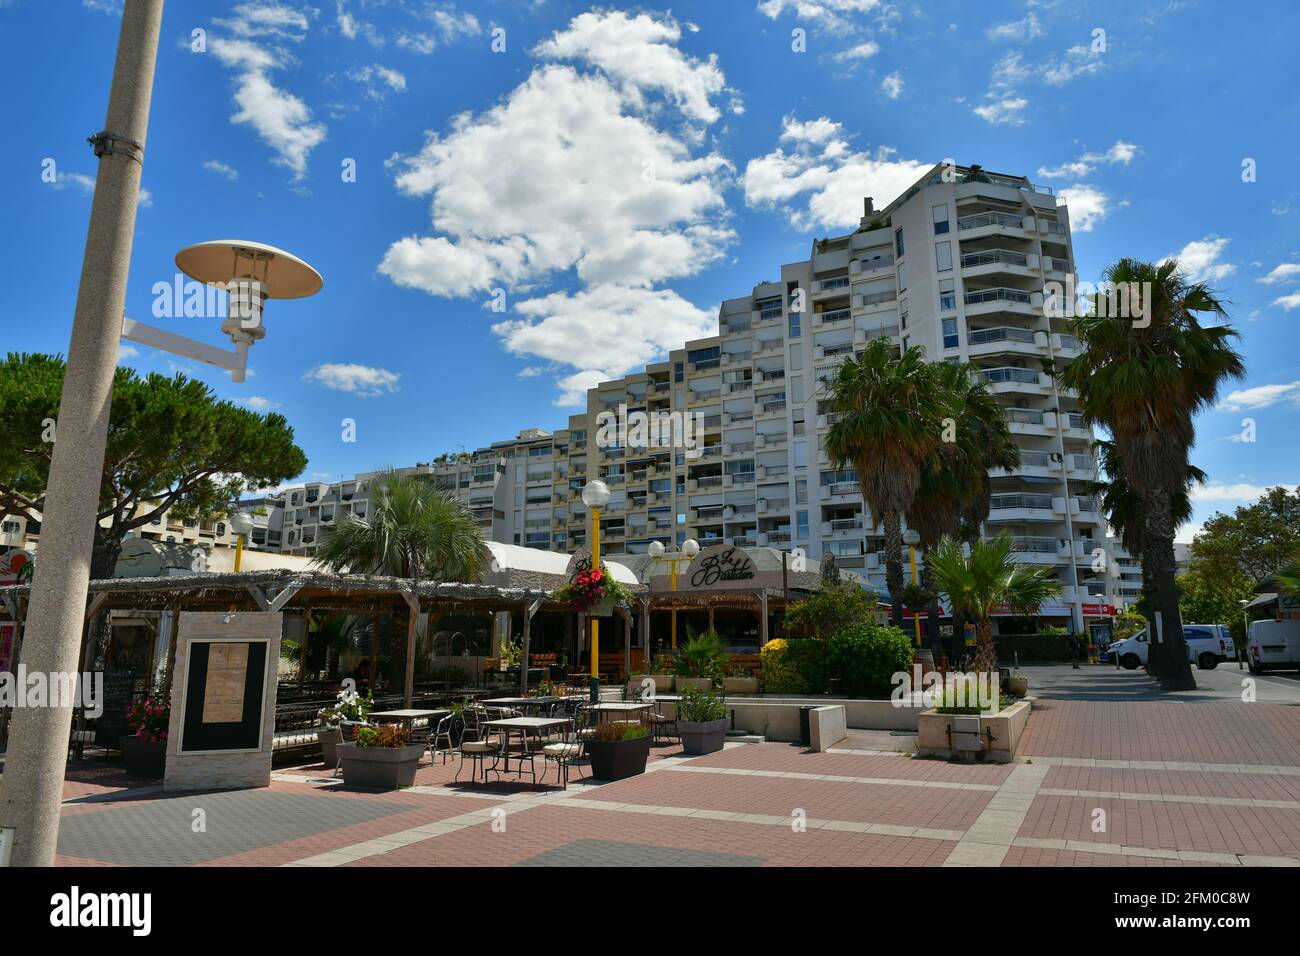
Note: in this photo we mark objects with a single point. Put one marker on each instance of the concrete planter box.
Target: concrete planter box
(379, 768)
(329, 737)
(145, 757)
(664, 683)
(695, 683)
(740, 685)
(702, 737)
(618, 759)
(1007, 726)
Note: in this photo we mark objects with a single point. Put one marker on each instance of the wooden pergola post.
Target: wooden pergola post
(529, 611)
(302, 651)
(762, 618)
(412, 627)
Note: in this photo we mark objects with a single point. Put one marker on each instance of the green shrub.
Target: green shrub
(703, 656)
(865, 657)
(612, 732)
(830, 610)
(779, 674)
(700, 706)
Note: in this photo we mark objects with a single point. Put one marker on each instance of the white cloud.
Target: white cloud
(1198, 260)
(1026, 29)
(639, 54)
(1008, 111)
(221, 169)
(1241, 491)
(1078, 61)
(282, 120)
(1088, 206)
(446, 24)
(1261, 396)
(1285, 272)
(259, 403)
(892, 85)
(861, 51)
(375, 81)
(1288, 302)
(363, 381)
(86, 185)
(351, 27)
(1121, 153)
(561, 175)
(817, 179)
(827, 13)
(126, 351)
(609, 330)
(101, 6)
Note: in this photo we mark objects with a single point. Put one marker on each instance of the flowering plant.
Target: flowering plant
(149, 717)
(385, 735)
(588, 588)
(349, 706)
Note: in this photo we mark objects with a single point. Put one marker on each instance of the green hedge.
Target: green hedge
(1037, 647)
(861, 659)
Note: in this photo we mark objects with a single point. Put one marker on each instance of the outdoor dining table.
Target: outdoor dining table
(626, 707)
(521, 703)
(523, 726)
(408, 716)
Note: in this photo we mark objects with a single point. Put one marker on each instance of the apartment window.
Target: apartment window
(940, 213)
(950, 333)
(947, 295)
(801, 491)
(794, 325)
(801, 522)
(902, 319)
(679, 371)
(898, 243)
(943, 256)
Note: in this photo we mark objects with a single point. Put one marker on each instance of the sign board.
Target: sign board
(119, 689)
(719, 567)
(223, 700)
(142, 558)
(15, 566)
(579, 561)
(1099, 610)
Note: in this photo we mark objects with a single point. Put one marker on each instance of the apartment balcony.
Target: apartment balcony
(990, 263)
(738, 479)
(737, 418)
(773, 472)
(768, 347)
(875, 301)
(876, 265)
(737, 512)
(1066, 346)
(1033, 464)
(734, 388)
(766, 318)
(700, 396)
(736, 358)
(1036, 549)
(840, 489)
(843, 527)
(992, 223)
(773, 538)
(740, 447)
(1025, 507)
(1003, 340)
(1024, 381)
(769, 409)
(772, 506)
(768, 376)
(703, 483)
(833, 317)
(1003, 299)
(828, 288)
(770, 440)
(744, 541)
(828, 419)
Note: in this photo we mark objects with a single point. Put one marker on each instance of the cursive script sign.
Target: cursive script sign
(721, 564)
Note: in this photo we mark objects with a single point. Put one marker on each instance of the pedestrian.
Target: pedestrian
(1073, 642)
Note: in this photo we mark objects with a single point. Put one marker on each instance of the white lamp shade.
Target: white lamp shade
(595, 494)
(656, 549)
(690, 547)
(241, 522)
(911, 537)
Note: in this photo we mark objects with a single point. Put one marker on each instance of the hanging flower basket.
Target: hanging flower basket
(593, 591)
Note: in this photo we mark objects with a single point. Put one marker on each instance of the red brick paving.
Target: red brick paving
(1238, 786)
(1200, 732)
(785, 758)
(1032, 856)
(535, 831)
(1167, 826)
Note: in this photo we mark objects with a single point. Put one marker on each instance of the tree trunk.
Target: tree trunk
(894, 565)
(933, 610)
(103, 559)
(986, 654)
(1174, 669)
(1148, 604)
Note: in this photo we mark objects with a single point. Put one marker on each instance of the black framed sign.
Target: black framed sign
(224, 695)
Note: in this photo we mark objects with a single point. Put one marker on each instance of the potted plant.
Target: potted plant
(1018, 685)
(701, 721)
(145, 751)
(700, 663)
(593, 591)
(661, 672)
(349, 708)
(545, 688)
(380, 758)
(618, 750)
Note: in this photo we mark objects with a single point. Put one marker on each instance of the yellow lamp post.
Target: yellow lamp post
(690, 548)
(595, 495)
(911, 538)
(241, 523)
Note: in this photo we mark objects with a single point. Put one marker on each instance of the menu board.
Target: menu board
(223, 695)
(224, 692)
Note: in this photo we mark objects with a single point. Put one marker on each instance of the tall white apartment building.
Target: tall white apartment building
(959, 265)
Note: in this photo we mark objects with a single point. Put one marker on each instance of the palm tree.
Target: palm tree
(887, 425)
(953, 497)
(1287, 577)
(1144, 378)
(414, 530)
(986, 580)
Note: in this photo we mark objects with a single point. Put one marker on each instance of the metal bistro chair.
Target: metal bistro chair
(440, 733)
(568, 751)
(662, 726)
(476, 744)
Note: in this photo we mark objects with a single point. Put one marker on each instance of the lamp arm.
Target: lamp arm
(234, 362)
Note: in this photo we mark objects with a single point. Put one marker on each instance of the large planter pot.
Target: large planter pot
(693, 683)
(1018, 685)
(329, 737)
(618, 759)
(702, 737)
(145, 757)
(740, 685)
(379, 768)
(603, 608)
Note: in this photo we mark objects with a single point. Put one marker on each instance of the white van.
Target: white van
(1207, 646)
(1273, 645)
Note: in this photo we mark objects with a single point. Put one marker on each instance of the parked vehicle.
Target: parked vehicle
(1273, 645)
(1207, 645)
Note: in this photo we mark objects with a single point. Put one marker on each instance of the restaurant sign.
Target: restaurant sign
(719, 567)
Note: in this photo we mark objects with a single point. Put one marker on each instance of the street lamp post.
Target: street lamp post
(595, 495)
(911, 538)
(31, 790)
(241, 523)
(690, 548)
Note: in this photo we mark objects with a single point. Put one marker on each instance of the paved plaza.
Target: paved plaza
(1112, 773)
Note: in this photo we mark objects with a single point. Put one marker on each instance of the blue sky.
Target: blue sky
(617, 171)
